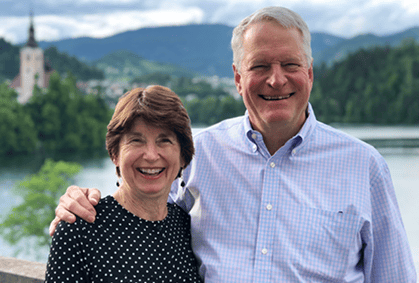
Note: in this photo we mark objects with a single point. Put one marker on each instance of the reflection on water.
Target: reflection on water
(100, 173)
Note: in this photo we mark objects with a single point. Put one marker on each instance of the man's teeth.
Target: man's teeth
(151, 171)
(276, 97)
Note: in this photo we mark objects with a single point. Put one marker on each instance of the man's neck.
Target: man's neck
(275, 138)
(276, 135)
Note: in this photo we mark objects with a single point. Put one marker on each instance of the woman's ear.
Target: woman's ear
(115, 161)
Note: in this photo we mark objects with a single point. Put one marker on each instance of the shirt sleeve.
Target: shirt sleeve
(389, 258)
(65, 262)
(183, 196)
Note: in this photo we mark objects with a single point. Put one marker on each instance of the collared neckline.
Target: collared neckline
(255, 138)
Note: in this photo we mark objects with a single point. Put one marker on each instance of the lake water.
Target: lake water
(100, 173)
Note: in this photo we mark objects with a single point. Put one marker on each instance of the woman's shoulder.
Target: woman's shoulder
(105, 205)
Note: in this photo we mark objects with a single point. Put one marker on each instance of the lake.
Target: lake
(100, 173)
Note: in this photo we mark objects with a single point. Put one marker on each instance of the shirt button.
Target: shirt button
(264, 251)
(269, 207)
(272, 164)
(255, 147)
(254, 136)
(294, 151)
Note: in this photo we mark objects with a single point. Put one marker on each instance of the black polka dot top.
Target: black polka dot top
(121, 247)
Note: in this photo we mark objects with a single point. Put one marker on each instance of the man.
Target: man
(276, 196)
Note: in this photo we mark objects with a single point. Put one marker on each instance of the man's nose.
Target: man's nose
(277, 77)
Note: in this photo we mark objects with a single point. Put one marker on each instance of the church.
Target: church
(32, 68)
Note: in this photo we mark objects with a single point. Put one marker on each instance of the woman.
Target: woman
(137, 236)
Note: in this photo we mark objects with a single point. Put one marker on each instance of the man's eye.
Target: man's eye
(259, 66)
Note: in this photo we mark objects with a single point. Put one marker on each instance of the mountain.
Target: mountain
(125, 65)
(342, 48)
(205, 49)
(61, 62)
(199, 48)
(9, 60)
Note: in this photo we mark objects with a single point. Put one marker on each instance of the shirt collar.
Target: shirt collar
(308, 127)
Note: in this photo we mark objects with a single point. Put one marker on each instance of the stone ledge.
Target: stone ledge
(21, 271)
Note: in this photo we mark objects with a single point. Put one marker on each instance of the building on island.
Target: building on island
(32, 68)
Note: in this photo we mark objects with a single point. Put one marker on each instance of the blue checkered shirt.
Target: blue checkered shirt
(321, 209)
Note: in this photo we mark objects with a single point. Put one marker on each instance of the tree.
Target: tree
(40, 193)
(66, 120)
(377, 85)
(17, 131)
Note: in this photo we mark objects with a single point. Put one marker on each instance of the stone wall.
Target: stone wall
(21, 271)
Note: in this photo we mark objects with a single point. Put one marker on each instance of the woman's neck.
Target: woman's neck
(154, 209)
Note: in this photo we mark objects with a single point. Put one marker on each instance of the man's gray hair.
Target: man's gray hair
(283, 16)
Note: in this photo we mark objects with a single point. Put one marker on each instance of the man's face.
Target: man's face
(275, 80)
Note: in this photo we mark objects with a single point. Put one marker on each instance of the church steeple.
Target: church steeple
(32, 71)
(31, 40)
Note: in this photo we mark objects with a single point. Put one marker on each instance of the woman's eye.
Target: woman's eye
(137, 141)
(164, 140)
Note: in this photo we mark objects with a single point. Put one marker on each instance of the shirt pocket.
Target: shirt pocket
(317, 242)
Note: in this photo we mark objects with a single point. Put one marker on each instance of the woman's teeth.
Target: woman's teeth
(150, 171)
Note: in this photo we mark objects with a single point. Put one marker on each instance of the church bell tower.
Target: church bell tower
(31, 66)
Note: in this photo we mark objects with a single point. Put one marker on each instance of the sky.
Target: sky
(55, 20)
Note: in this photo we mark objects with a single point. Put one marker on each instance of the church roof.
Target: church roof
(31, 40)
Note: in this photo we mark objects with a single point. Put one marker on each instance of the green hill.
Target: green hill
(125, 65)
(59, 61)
(377, 85)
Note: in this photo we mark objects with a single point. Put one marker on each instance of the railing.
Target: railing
(21, 271)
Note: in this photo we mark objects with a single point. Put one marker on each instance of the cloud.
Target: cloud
(351, 18)
(100, 18)
(54, 27)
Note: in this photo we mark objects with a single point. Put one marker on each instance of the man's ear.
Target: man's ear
(237, 79)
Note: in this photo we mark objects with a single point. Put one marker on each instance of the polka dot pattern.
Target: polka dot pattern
(121, 247)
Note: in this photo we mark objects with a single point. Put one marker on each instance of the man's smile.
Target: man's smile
(270, 98)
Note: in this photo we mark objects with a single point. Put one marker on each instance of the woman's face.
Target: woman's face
(149, 160)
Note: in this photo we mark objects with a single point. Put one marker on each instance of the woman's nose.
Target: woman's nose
(151, 153)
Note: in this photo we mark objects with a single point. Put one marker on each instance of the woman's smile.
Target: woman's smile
(150, 172)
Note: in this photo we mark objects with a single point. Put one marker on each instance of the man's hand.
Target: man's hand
(78, 201)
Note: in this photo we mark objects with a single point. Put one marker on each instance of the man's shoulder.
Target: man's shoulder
(333, 137)
(223, 129)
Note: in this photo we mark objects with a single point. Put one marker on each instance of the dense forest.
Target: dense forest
(378, 86)
(57, 120)
(60, 62)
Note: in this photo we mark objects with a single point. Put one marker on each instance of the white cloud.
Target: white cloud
(13, 28)
(52, 27)
(101, 18)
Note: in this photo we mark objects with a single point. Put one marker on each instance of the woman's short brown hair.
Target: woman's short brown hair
(158, 106)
